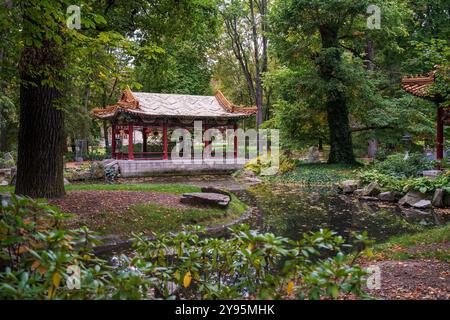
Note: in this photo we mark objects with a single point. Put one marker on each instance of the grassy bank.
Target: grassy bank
(317, 174)
(149, 217)
(431, 243)
(146, 216)
(153, 187)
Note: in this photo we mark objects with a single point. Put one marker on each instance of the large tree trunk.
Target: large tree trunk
(329, 61)
(41, 133)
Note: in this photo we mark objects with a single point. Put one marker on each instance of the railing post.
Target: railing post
(165, 140)
(113, 141)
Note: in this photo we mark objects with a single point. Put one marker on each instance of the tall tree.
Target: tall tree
(322, 26)
(41, 134)
(246, 28)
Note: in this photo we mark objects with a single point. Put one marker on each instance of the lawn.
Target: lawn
(431, 243)
(149, 217)
(153, 187)
(123, 209)
(317, 174)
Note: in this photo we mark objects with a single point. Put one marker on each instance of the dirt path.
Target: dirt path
(413, 279)
(218, 181)
(84, 202)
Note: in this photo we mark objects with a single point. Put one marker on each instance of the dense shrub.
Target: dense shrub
(36, 251)
(422, 184)
(397, 166)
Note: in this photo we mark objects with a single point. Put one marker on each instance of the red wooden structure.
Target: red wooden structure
(420, 87)
(152, 113)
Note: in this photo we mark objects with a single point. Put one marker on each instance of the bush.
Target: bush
(422, 184)
(396, 166)
(36, 251)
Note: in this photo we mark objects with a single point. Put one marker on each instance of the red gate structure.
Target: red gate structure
(420, 87)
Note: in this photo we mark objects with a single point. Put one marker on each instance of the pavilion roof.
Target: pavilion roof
(174, 106)
(419, 85)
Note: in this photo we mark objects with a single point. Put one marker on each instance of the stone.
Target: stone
(66, 182)
(204, 198)
(215, 190)
(447, 200)
(411, 198)
(431, 173)
(8, 156)
(358, 192)
(422, 204)
(389, 196)
(368, 198)
(246, 173)
(372, 190)
(313, 155)
(271, 171)
(5, 199)
(438, 198)
(349, 186)
(4, 183)
(96, 170)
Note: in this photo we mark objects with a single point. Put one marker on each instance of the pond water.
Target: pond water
(290, 210)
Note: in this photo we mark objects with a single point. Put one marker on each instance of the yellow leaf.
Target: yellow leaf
(50, 292)
(56, 279)
(290, 287)
(250, 246)
(35, 264)
(187, 279)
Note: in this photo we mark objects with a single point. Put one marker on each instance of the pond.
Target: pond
(291, 210)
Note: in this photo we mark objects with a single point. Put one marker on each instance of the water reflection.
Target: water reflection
(290, 210)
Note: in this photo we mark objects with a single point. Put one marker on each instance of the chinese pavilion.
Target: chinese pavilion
(154, 114)
(420, 87)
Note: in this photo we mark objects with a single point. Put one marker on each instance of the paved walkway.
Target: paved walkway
(219, 181)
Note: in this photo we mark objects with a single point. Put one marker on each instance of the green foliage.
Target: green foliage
(397, 166)
(422, 184)
(403, 247)
(317, 174)
(36, 251)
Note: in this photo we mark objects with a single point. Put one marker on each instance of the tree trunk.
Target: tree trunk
(370, 55)
(105, 133)
(41, 132)
(4, 137)
(258, 81)
(329, 60)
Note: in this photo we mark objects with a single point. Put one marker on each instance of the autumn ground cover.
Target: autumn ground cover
(123, 209)
(414, 266)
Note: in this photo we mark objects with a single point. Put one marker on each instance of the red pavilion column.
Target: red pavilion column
(130, 142)
(113, 141)
(165, 141)
(439, 134)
